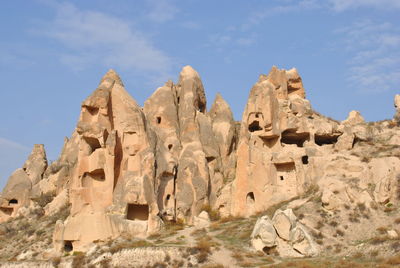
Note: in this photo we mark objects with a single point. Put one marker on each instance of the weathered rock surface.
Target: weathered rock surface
(283, 234)
(126, 171)
(18, 190)
(397, 106)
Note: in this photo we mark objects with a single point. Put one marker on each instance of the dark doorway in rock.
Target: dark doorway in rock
(270, 250)
(250, 198)
(291, 137)
(325, 139)
(137, 212)
(281, 177)
(304, 159)
(7, 211)
(93, 144)
(254, 126)
(68, 247)
(158, 119)
(169, 147)
(13, 202)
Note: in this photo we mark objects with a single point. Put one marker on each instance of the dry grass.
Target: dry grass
(129, 244)
(214, 214)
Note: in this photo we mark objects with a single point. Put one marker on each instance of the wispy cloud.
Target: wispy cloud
(374, 62)
(162, 10)
(342, 5)
(92, 37)
(284, 7)
(12, 144)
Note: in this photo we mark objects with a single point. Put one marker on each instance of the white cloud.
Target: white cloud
(289, 6)
(246, 41)
(5, 143)
(374, 55)
(92, 37)
(161, 10)
(342, 5)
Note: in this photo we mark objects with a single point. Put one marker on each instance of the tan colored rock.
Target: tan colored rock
(393, 234)
(354, 118)
(264, 235)
(283, 222)
(295, 84)
(192, 182)
(36, 163)
(58, 203)
(384, 174)
(302, 241)
(18, 190)
(397, 106)
(113, 176)
(291, 238)
(202, 221)
(270, 159)
(224, 129)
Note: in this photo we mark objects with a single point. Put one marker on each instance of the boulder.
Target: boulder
(290, 237)
(202, 220)
(264, 235)
(354, 118)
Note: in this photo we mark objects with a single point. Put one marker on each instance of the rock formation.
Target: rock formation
(17, 192)
(397, 106)
(283, 234)
(126, 171)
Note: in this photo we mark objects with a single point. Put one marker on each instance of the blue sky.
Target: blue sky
(53, 54)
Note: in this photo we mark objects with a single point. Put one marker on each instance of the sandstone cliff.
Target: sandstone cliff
(130, 171)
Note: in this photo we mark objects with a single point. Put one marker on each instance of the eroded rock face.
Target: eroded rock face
(271, 158)
(397, 106)
(136, 168)
(127, 170)
(18, 190)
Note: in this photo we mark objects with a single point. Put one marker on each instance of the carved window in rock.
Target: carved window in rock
(7, 211)
(93, 179)
(13, 202)
(89, 113)
(325, 139)
(304, 159)
(137, 212)
(286, 175)
(158, 120)
(91, 144)
(250, 199)
(250, 202)
(255, 122)
(291, 137)
(68, 246)
(167, 200)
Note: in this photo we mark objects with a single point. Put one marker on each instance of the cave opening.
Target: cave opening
(93, 144)
(7, 211)
(68, 247)
(13, 202)
(137, 212)
(254, 126)
(290, 137)
(325, 139)
(250, 198)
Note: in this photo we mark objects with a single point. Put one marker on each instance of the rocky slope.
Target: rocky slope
(172, 180)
